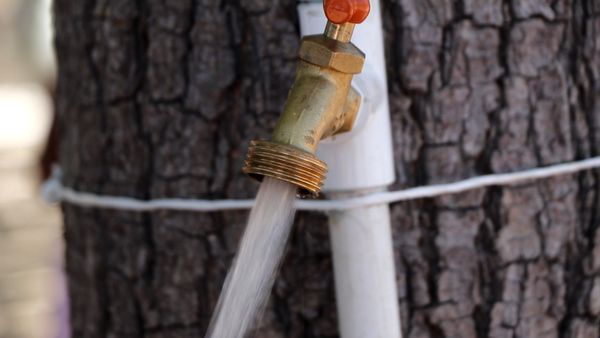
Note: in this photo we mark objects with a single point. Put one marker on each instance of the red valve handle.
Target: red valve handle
(343, 11)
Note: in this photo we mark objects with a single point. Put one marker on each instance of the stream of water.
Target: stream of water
(250, 280)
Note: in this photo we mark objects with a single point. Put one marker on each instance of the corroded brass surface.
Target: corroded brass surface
(349, 113)
(321, 103)
(329, 53)
(314, 109)
(286, 163)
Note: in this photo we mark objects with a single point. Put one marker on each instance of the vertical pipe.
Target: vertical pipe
(365, 279)
(361, 162)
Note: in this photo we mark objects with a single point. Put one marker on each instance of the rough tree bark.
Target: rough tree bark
(159, 98)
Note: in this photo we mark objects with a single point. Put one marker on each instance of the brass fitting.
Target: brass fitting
(321, 103)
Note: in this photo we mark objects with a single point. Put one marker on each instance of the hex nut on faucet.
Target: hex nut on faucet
(330, 53)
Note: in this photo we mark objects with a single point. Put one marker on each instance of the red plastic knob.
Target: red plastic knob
(343, 11)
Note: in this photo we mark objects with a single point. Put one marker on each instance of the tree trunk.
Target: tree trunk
(159, 98)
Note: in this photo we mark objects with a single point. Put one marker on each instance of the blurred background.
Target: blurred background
(32, 298)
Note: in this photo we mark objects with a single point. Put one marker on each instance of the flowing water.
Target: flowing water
(249, 282)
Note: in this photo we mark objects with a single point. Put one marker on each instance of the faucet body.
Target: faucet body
(321, 103)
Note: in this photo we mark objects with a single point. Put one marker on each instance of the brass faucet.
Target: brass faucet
(321, 102)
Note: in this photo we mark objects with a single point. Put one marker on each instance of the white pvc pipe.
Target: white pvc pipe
(360, 162)
(365, 278)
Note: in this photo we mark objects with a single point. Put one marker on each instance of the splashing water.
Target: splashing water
(249, 282)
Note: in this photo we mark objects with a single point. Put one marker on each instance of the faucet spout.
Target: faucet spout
(321, 103)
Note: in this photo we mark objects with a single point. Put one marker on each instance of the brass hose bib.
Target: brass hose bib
(321, 103)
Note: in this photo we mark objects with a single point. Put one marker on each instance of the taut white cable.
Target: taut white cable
(54, 191)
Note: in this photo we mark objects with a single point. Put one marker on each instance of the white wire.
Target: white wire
(54, 192)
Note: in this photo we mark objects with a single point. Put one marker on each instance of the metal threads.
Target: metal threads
(286, 163)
